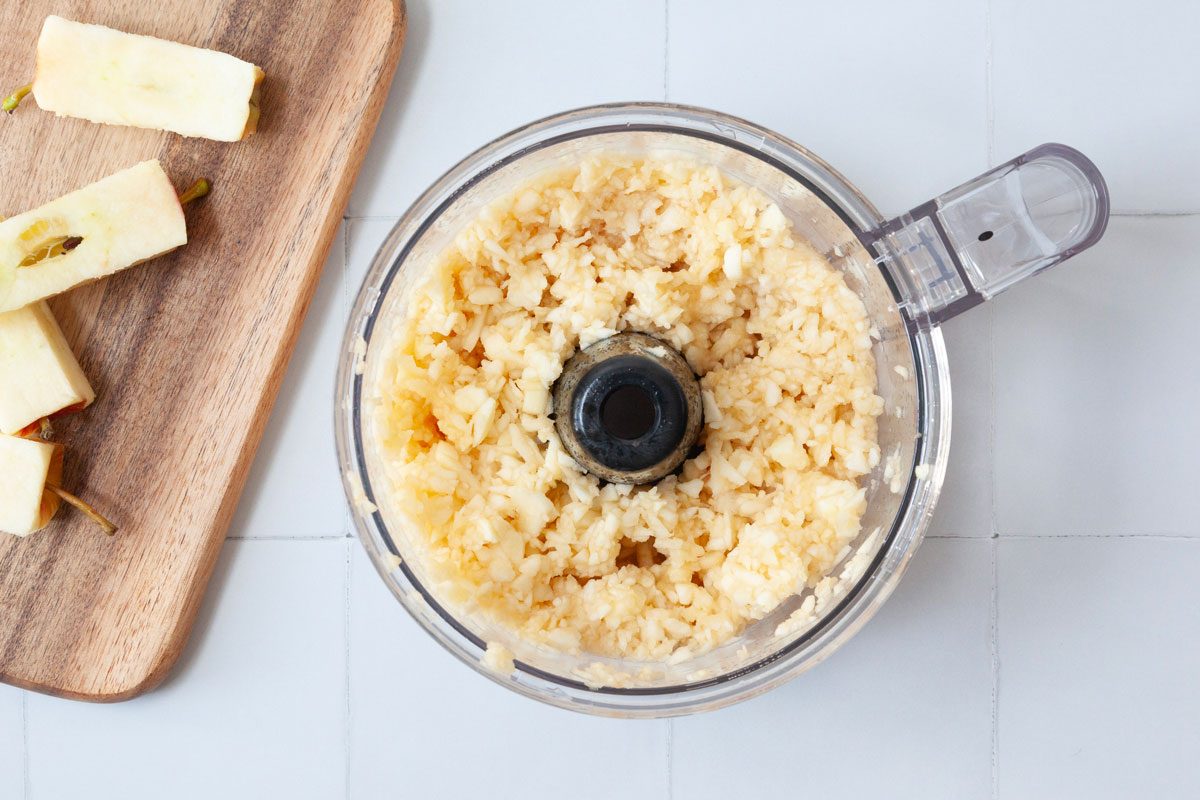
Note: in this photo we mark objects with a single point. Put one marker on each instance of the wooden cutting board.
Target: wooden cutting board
(185, 352)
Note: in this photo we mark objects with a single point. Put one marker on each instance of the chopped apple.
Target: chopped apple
(39, 376)
(103, 75)
(103, 228)
(28, 466)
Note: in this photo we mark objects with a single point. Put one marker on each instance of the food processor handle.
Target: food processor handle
(973, 242)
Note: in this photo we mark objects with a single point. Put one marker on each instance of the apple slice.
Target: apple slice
(103, 75)
(30, 493)
(39, 376)
(28, 465)
(103, 228)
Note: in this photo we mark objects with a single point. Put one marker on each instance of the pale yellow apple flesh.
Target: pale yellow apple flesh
(114, 223)
(39, 375)
(27, 466)
(104, 75)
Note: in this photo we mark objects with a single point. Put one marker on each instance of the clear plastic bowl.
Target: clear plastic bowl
(914, 430)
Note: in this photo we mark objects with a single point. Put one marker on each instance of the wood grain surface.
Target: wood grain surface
(185, 352)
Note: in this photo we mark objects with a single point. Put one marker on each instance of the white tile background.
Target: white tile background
(1044, 645)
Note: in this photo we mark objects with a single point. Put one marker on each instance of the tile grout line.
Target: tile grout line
(26, 784)
(331, 538)
(666, 50)
(1147, 536)
(344, 282)
(1151, 536)
(995, 668)
(994, 599)
(670, 759)
(345, 321)
(1154, 214)
(346, 733)
(993, 506)
(989, 97)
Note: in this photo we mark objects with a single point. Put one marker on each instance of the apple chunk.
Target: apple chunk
(103, 228)
(103, 75)
(28, 466)
(39, 376)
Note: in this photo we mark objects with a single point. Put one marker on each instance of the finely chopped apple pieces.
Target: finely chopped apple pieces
(509, 526)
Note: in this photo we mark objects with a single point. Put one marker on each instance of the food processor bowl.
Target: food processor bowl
(912, 273)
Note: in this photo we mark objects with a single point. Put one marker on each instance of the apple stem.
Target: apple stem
(86, 508)
(13, 100)
(195, 191)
